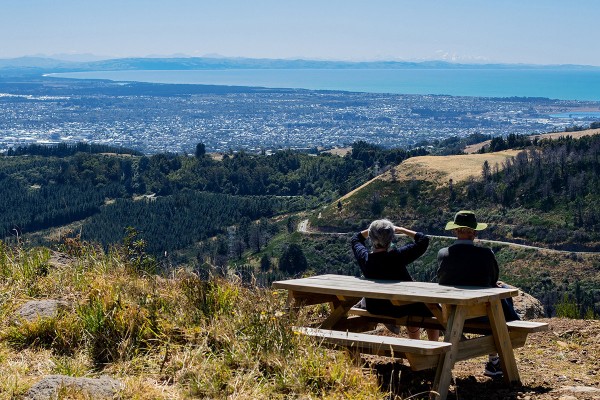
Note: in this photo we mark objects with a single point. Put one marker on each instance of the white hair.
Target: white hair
(381, 232)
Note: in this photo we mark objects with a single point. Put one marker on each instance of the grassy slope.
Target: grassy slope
(174, 338)
(180, 338)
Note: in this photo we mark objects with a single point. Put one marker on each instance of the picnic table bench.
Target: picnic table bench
(455, 310)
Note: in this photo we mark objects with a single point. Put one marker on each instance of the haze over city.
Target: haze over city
(464, 31)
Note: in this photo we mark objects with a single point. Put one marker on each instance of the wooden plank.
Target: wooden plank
(436, 310)
(356, 324)
(475, 347)
(375, 343)
(299, 299)
(527, 326)
(418, 362)
(421, 322)
(503, 344)
(469, 326)
(401, 303)
(484, 345)
(483, 327)
(392, 290)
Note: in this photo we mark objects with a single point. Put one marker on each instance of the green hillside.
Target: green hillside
(238, 214)
(545, 197)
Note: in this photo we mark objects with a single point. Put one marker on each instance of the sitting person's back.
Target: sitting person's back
(390, 264)
(464, 264)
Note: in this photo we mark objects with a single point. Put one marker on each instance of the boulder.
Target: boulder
(48, 388)
(35, 309)
(528, 307)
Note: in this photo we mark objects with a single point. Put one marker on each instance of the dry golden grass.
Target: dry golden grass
(441, 169)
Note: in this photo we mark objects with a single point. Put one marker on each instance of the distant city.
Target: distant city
(155, 118)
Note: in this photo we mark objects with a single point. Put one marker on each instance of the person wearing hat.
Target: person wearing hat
(387, 262)
(464, 264)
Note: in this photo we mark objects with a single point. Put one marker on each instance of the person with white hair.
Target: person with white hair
(389, 263)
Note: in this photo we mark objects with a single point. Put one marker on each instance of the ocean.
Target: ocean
(563, 84)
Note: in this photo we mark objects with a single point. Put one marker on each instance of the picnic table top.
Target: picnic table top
(354, 287)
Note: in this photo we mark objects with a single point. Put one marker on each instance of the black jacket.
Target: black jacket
(390, 265)
(465, 264)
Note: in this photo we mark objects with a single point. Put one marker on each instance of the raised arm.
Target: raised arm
(399, 230)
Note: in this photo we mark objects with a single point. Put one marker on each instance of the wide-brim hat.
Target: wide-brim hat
(465, 219)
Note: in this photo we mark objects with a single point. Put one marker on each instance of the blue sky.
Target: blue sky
(482, 31)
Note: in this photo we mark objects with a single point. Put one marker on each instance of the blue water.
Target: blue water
(565, 84)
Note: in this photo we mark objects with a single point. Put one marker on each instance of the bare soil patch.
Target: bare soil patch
(563, 363)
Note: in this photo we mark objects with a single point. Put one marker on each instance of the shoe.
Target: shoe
(493, 369)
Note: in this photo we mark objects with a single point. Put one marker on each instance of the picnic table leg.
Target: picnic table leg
(443, 374)
(503, 343)
(340, 310)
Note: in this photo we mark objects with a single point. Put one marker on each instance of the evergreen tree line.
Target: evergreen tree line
(171, 223)
(27, 209)
(49, 187)
(68, 149)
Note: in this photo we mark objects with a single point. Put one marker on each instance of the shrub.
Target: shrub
(567, 308)
(114, 330)
(59, 334)
(207, 299)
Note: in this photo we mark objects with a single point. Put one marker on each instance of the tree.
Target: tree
(291, 223)
(376, 204)
(200, 150)
(292, 259)
(486, 171)
(265, 263)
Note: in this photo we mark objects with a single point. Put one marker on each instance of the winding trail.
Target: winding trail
(303, 228)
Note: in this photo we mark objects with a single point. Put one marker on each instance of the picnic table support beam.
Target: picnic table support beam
(340, 308)
(503, 342)
(443, 374)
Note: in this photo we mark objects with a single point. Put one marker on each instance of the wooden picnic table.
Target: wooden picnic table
(451, 306)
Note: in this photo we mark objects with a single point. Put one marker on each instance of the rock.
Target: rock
(101, 388)
(35, 309)
(528, 307)
(58, 260)
(581, 389)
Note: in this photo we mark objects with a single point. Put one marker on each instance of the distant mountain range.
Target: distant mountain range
(49, 65)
